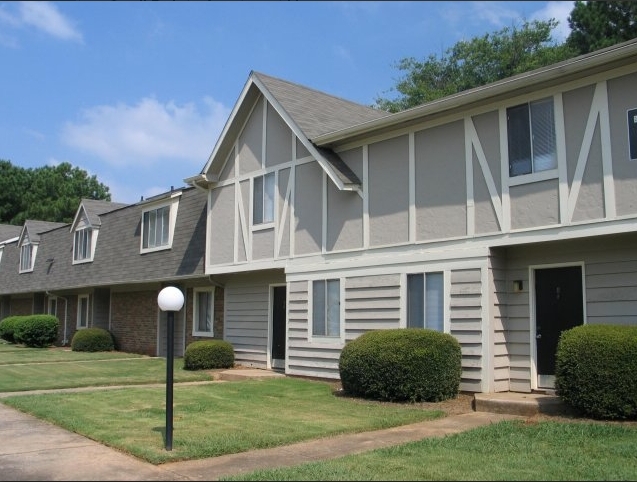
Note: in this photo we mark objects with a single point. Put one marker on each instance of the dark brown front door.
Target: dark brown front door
(278, 326)
(559, 305)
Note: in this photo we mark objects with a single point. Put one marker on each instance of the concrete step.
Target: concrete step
(525, 404)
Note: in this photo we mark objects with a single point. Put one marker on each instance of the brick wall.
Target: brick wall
(134, 317)
(21, 306)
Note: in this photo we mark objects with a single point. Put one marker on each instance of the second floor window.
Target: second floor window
(263, 199)
(156, 228)
(531, 137)
(82, 245)
(26, 257)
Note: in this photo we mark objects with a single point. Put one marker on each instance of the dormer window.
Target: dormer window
(158, 225)
(27, 255)
(82, 244)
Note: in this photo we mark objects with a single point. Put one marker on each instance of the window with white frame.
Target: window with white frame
(156, 228)
(26, 256)
(326, 308)
(82, 240)
(425, 301)
(531, 137)
(203, 312)
(82, 311)
(263, 199)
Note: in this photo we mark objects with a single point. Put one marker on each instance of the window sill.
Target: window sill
(203, 334)
(533, 177)
(261, 227)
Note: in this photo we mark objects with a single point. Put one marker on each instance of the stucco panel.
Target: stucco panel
(250, 142)
(221, 229)
(308, 208)
(278, 139)
(622, 96)
(389, 191)
(344, 219)
(534, 204)
(441, 193)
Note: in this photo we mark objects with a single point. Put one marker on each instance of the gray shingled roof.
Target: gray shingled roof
(9, 231)
(117, 260)
(317, 113)
(95, 208)
(35, 228)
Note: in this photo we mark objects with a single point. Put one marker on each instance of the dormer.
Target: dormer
(29, 240)
(159, 215)
(86, 226)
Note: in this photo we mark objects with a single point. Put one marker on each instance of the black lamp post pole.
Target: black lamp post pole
(170, 335)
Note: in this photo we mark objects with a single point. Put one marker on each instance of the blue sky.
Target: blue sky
(136, 93)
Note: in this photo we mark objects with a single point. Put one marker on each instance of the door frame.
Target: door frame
(271, 363)
(533, 322)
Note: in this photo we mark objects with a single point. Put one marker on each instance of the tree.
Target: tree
(476, 62)
(49, 193)
(599, 24)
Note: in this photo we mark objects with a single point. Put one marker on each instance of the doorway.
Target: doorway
(278, 307)
(559, 306)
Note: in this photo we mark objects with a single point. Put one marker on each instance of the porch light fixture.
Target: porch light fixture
(518, 286)
(170, 299)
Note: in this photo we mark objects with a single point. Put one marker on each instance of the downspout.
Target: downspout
(66, 314)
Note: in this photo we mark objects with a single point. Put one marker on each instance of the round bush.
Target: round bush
(92, 339)
(208, 354)
(595, 370)
(412, 364)
(7, 327)
(37, 331)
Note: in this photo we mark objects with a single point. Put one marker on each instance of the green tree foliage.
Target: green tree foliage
(599, 24)
(476, 62)
(49, 193)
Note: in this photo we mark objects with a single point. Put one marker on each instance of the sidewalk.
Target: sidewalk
(35, 450)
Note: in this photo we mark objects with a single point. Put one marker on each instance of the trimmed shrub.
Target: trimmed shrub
(208, 354)
(37, 331)
(92, 339)
(595, 370)
(7, 327)
(408, 364)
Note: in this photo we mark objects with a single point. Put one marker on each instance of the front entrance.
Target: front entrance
(559, 306)
(278, 326)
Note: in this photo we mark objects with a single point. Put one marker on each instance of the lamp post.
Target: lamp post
(170, 299)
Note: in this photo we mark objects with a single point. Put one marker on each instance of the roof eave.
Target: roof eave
(579, 65)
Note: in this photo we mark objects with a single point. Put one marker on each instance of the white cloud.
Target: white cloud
(560, 12)
(149, 133)
(46, 17)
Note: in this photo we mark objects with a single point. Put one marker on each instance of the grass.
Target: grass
(504, 451)
(223, 418)
(215, 419)
(17, 354)
(47, 376)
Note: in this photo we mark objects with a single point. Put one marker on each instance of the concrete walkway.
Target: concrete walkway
(31, 449)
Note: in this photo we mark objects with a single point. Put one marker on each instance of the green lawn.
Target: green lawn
(504, 451)
(45, 369)
(217, 418)
(229, 417)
